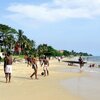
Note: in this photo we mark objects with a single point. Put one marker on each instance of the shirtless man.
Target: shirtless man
(35, 67)
(81, 63)
(45, 68)
(8, 68)
(5, 63)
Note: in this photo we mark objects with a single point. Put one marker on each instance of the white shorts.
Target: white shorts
(45, 67)
(8, 69)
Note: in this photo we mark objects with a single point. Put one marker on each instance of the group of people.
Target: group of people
(32, 61)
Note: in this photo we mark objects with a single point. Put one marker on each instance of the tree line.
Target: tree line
(19, 44)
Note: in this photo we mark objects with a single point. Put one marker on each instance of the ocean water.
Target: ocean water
(88, 86)
(85, 69)
(92, 59)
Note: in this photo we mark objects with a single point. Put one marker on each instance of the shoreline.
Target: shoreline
(86, 86)
(46, 88)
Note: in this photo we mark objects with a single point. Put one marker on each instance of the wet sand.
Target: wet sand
(87, 86)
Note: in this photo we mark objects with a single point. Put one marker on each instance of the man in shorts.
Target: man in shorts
(81, 63)
(35, 67)
(46, 64)
(8, 68)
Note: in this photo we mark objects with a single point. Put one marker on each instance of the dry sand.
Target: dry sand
(46, 88)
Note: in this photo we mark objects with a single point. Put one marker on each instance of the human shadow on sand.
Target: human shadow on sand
(21, 77)
(2, 81)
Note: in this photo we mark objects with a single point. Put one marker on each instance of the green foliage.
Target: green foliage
(12, 37)
(69, 53)
(66, 53)
(44, 49)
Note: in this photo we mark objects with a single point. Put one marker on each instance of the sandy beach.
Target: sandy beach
(46, 88)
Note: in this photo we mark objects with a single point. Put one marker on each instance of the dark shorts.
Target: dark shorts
(34, 66)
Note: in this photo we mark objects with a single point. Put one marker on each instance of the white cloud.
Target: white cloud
(56, 10)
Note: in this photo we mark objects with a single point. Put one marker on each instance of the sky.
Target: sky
(62, 24)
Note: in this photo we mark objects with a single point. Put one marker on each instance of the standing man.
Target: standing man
(8, 69)
(46, 65)
(5, 63)
(80, 62)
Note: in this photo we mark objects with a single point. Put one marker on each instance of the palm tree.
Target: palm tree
(20, 36)
(25, 43)
(12, 38)
(42, 49)
(9, 41)
(8, 35)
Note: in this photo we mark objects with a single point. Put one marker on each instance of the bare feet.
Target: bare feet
(31, 77)
(36, 78)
